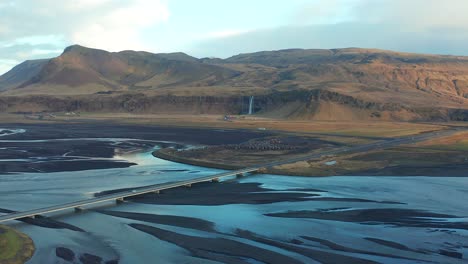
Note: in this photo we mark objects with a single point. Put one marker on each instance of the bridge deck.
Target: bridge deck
(121, 195)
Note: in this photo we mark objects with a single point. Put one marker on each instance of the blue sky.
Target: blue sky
(32, 29)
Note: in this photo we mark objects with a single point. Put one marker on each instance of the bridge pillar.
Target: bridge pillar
(188, 185)
(119, 200)
(79, 209)
(157, 192)
(239, 175)
(215, 180)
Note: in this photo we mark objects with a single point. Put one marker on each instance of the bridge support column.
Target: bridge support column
(215, 180)
(239, 175)
(157, 192)
(188, 185)
(119, 200)
(79, 209)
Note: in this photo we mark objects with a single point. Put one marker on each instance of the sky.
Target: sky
(33, 29)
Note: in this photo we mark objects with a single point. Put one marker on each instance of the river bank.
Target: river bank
(15, 247)
(250, 153)
(74, 147)
(445, 156)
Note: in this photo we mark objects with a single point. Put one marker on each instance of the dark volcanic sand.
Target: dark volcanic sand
(218, 249)
(448, 170)
(85, 258)
(231, 192)
(223, 193)
(97, 130)
(180, 221)
(390, 244)
(215, 248)
(321, 256)
(387, 216)
(75, 155)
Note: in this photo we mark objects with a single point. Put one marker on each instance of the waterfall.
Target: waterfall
(251, 102)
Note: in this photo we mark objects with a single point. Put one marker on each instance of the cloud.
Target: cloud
(225, 33)
(421, 26)
(97, 23)
(120, 28)
(415, 15)
(107, 24)
(323, 12)
(6, 65)
(14, 54)
(31, 29)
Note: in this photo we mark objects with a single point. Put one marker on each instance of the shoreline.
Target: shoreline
(389, 162)
(170, 154)
(13, 238)
(61, 148)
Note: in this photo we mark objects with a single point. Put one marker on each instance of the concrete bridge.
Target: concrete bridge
(120, 197)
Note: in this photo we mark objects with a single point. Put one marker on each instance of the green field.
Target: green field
(10, 244)
(14, 247)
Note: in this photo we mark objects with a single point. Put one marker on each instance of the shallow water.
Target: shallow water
(112, 238)
(8, 132)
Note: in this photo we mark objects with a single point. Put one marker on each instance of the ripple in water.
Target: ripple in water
(8, 132)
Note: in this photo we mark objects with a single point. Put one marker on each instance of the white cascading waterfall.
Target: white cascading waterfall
(251, 102)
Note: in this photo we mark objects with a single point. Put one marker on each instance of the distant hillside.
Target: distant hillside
(81, 70)
(20, 73)
(333, 84)
(353, 55)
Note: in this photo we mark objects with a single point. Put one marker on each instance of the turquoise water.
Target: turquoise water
(111, 237)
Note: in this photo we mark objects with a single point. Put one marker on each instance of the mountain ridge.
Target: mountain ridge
(368, 76)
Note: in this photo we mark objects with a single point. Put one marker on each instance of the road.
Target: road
(216, 177)
(367, 147)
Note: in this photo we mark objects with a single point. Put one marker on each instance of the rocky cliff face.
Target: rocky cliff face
(312, 105)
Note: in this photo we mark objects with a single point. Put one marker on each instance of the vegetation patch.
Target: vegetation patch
(399, 161)
(253, 152)
(15, 247)
(457, 142)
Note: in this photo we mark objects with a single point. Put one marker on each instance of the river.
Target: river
(308, 220)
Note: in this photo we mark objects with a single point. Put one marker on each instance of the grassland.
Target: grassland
(15, 248)
(361, 129)
(446, 156)
(457, 142)
(443, 156)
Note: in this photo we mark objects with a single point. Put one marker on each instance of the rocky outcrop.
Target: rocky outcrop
(299, 104)
(65, 253)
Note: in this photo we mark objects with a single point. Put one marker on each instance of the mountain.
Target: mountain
(20, 73)
(330, 84)
(80, 70)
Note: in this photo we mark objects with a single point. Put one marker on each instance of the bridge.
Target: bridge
(120, 197)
